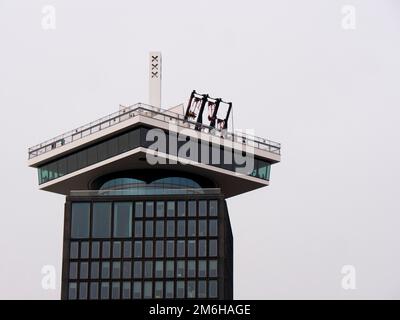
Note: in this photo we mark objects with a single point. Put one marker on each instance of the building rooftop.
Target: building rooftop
(65, 163)
(146, 110)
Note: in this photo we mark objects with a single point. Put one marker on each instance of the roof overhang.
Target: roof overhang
(230, 183)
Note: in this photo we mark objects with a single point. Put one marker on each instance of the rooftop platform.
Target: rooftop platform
(52, 156)
(46, 149)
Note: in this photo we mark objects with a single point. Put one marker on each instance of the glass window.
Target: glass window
(94, 290)
(106, 249)
(148, 290)
(62, 167)
(80, 220)
(148, 249)
(105, 290)
(170, 248)
(123, 143)
(149, 229)
(127, 249)
(202, 228)
(170, 228)
(149, 209)
(72, 291)
(180, 269)
(73, 270)
(53, 170)
(202, 248)
(181, 228)
(126, 290)
(159, 269)
(102, 152)
(138, 229)
(181, 208)
(122, 219)
(213, 289)
(92, 155)
(95, 250)
(160, 209)
(84, 250)
(202, 292)
(170, 209)
(83, 290)
(117, 249)
(159, 248)
(180, 289)
(101, 220)
(263, 170)
(138, 209)
(138, 249)
(202, 208)
(81, 158)
(202, 268)
(126, 269)
(148, 269)
(158, 290)
(134, 139)
(74, 250)
(213, 208)
(105, 270)
(191, 289)
(94, 270)
(169, 289)
(213, 250)
(191, 228)
(52, 167)
(180, 248)
(137, 290)
(192, 208)
(191, 248)
(116, 270)
(213, 228)
(191, 268)
(213, 268)
(72, 163)
(112, 146)
(84, 270)
(160, 228)
(169, 272)
(115, 290)
(43, 175)
(137, 269)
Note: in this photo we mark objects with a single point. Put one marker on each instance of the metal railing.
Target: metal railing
(154, 113)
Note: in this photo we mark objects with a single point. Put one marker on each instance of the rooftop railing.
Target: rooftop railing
(154, 113)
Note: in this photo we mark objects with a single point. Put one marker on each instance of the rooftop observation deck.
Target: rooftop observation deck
(151, 112)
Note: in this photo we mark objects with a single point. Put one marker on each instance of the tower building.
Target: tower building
(145, 212)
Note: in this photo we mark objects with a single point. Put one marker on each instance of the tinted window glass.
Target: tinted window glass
(160, 209)
(202, 208)
(80, 220)
(181, 208)
(213, 208)
(213, 228)
(101, 220)
(122, 219)
(192, 208)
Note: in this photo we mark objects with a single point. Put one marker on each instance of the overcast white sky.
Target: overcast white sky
(330, 95)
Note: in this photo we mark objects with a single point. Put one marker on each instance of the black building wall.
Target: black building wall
(77, 269)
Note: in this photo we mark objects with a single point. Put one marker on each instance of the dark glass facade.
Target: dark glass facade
(134, 138)
(148, 247)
